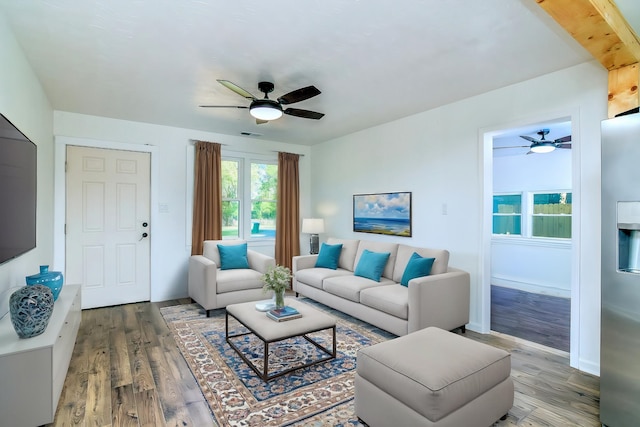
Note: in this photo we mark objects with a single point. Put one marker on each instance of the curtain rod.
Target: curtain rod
(193, 142)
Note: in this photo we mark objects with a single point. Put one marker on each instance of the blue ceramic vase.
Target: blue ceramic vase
(51, 279)
(30, 308)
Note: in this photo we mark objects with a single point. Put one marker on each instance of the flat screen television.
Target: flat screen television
(18, 176)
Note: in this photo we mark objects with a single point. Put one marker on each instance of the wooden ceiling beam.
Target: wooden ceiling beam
(601, 29)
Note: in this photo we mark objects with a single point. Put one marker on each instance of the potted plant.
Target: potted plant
(277, 279)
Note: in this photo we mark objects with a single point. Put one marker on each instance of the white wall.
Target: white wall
(170, 234)
(24, 103)
(533, 265)
(438, 155)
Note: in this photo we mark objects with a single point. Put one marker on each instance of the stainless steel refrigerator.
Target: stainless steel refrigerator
(620, 327)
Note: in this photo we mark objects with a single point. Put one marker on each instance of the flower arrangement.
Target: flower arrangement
(277, 279)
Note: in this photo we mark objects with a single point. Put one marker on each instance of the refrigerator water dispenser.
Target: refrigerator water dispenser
(629, 237)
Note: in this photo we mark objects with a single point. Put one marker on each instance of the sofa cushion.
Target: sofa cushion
(349, 286)
(237, 280)
(315, 276)
(390, 299)
(371, 246)
(329, 256)
(440, 265)
(416, 267)
(371, 264)
(233, 256)
(348, 254)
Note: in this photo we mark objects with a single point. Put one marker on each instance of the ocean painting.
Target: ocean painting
(382, 213)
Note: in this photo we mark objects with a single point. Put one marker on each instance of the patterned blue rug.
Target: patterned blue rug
(318, 395)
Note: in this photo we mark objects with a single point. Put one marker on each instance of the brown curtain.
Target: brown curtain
(288, 211)
(207, 196)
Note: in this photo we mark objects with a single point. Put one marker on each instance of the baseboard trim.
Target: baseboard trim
(535, 288)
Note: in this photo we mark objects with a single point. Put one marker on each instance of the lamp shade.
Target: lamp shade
(265, 109)
(543, 147)
(313, 225)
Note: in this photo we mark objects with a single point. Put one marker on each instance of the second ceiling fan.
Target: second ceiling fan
(265, 109)
(543, 145)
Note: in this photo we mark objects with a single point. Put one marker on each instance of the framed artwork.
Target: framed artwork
(383, 213)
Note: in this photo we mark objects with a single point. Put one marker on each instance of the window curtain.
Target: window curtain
(207, 196)
(288, 211)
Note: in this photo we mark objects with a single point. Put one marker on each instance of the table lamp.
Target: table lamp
(313, 226)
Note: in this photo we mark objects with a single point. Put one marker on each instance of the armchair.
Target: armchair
(212, 287)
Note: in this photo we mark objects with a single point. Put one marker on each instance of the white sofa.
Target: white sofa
(212, 287)
(440, 299)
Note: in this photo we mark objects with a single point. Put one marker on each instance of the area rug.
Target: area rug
(318, 395)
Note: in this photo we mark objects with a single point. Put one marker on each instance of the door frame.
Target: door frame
(60, 196)
(485, 138)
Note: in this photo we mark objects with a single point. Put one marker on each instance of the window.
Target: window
(230, 199)
(551, 215)
(507, 214)
(264, 184)
(255, 187)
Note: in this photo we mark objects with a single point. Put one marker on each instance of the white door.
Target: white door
(107, 225)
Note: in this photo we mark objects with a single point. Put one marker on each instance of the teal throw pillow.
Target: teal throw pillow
(371, 264)
(416, 267)
(233, 256)
(329, 256)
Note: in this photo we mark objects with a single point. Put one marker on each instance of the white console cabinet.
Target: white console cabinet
(32, 370)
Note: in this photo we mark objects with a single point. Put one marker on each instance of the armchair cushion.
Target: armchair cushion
(233, 256)
(237, 279)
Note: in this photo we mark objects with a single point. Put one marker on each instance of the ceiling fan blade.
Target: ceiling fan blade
(513, 146)
(563, 139)
(306, 114)
(299, 95)
(223, 106)
(563, 146)
(237, 89)
(528, 138)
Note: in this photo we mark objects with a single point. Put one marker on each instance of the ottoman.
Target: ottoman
(432, 377)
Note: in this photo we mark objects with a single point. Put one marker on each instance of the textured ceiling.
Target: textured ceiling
(374, 61)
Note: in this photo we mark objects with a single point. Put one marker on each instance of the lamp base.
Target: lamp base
(314, 244)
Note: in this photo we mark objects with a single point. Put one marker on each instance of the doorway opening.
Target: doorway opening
(530, 232)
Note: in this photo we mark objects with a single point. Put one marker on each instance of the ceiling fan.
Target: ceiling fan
(543, 145)
(265, 109)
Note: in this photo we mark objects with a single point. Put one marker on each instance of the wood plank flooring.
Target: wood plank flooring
(542, 319)
(127, 371)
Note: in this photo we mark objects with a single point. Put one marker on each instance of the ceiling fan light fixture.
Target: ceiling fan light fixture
(265, 109)
(543, 147)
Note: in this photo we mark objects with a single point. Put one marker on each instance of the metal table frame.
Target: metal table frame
(265, 374)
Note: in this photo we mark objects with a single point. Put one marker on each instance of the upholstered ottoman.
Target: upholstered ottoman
(432, 377)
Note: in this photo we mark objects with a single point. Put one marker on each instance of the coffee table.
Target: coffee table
(269, 331)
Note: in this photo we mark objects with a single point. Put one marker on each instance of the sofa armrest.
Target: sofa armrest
(301, 262)
(203, 281)
(259, 261)
(441, 300)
